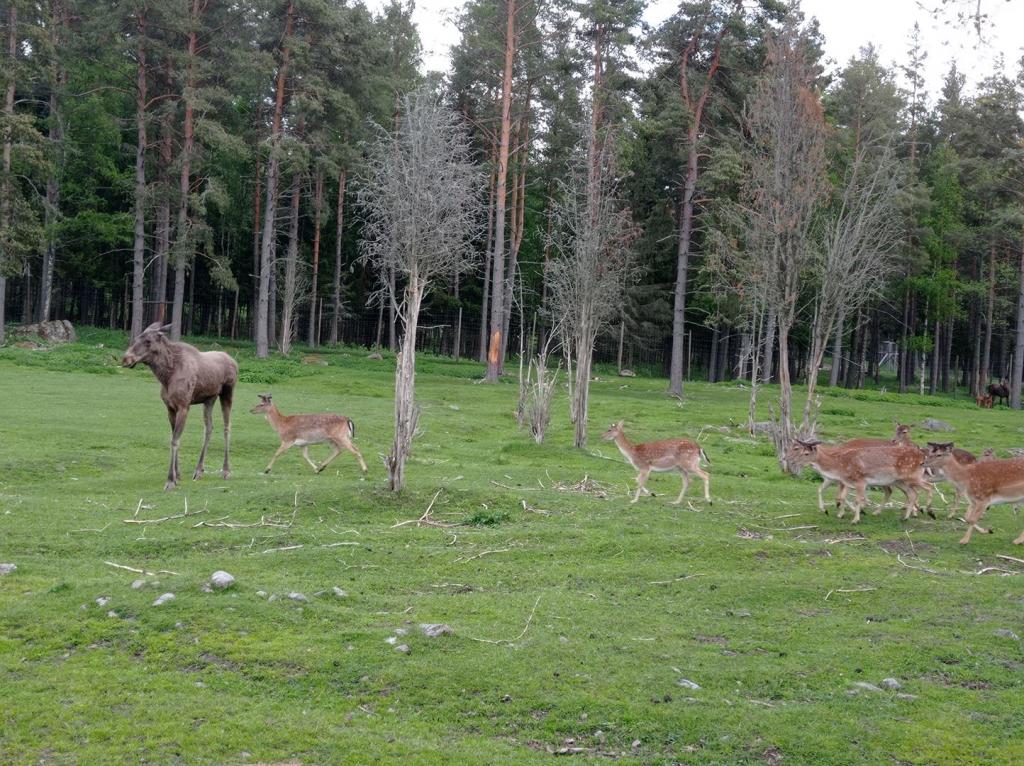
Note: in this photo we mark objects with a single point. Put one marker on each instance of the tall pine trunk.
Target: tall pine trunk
(495, 360)
(1018, 346)
(291, 260)
(318, 204)
(264, 309)
(5, 189)
(256, 223)
(139, 245)
(986, 352)
(339, 228)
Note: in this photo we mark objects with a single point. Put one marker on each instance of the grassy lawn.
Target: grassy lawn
(591, 609)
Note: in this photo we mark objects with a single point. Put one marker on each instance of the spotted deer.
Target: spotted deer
(304, 430)
(877, 465)
(902, 436)
(680, 455)
(985, 483)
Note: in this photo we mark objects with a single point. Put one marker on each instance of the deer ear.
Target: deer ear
(621, 423)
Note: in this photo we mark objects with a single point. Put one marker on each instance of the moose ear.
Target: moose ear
(166, 328)
(155, 327)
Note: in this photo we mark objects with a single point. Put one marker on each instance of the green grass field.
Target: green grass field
(575, 614)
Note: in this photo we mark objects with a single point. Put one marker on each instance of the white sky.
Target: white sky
(846, 24)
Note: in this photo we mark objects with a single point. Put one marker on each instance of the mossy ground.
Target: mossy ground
(755, 598)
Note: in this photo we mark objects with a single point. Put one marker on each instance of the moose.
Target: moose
(187, 376)
(999, 391)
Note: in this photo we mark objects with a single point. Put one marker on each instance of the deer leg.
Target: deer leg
(973, 514)
(641, 479)
(208, 424)
(323, 465)
(305, 454)
(911, 507)
(226, 395)
(352, 448)
(177, 418)
(280, 451)
(703, 475)
(686, 485)
(859, 501)
(1019, 540)
(825, 483)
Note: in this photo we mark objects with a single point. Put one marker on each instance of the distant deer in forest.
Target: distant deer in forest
(680, 455)
(187, 376)
(1000, 391)
(984, 401)
(304, 430)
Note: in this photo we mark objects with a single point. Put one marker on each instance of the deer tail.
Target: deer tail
(351, 428)
(704, 455)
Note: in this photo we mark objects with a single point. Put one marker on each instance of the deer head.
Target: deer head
(938, 454)
(264, 405)
(800, 454)
(614, 431)
(902, 433)
(145, 347)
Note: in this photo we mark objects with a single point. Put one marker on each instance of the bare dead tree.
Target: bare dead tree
(859, 234)
(787, 175)
(591, 237)
(422, 207)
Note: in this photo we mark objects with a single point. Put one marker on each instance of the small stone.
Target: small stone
(339, 592)
(112, 613)
(138, 584)
(454, 407)
(507, 698)
(904, 696)
(865, 686)
(261, 593)
(163, 599)
(435, 629)
(401, 631)
(103, 600)
(1004, 633)
(273, 597)
(739, 613)
(686, 683)
(6, 569)
(221, 580)
(635, 744)
(931, 424)
(296, 596)
(891, 683)
(391, 640)
(403, 648)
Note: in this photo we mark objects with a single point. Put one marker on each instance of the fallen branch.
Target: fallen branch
(426, 518)
(848, 590)
(678, 579)
(1009, 558)
(140, 571)
(482, 553)
(134, 520)
(263, 522)
(501, 641)
(911, 566)
(531, 509)
(284, 548)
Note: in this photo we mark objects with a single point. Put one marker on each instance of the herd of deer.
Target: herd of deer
(188, 376)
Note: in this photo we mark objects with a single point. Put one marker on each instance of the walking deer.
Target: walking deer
(985, 482)
(902, 436)
(304, 430)
(680, 455)
(187, 376)
(877, 465)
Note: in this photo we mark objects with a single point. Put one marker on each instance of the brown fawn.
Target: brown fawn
(304, 430)
(902, 436)
(680, 455)
(985, 483)
(876, 465)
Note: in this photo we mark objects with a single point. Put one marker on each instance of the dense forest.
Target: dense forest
(200, 164)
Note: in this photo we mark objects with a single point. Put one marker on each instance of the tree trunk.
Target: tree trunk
(581, 392)
(986, 356)
(1018, 347)
(518, 210)
(264, 331)
(257, 198)
(183, 234)
(495, 360)
(393, 313)
(769, 345)
(318, 203)
(713, 356)
(933, 380)
(486, 283)
(139, 245)
(784, 428)
(290, 264)
(5, 189)
(339, 229)
(837, 348)
(163, 222)
(904, 349)
(406, 412)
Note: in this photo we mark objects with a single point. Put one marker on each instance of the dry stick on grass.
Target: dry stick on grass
(1009, 558)
(426, 519)
(923, 569)
(134, 520)
(284, 548)
(232, 525)
(677, 579)
(531, 509)
(848, 590)
(502, 641)
(141, 571)
(465, 560)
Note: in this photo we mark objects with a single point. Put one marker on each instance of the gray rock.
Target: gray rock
(686, 683)
(57, 331)
(339, 592)
(112, 613)
(374, 356)
(454, 407)
(931, 424)
(221, 580)
(164, 599)
(1004, 633)
(891, 684)
(7, 568)
(403, 648)
(904, 696)
(864, 686)
(138, 584)
(103, 600)
(435, 629)
(296, 596)
(401, 631)
(261, 593)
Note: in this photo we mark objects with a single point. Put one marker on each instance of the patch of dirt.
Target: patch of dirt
(711, 639)
(747, 534)
(772, 756)
(904, 547)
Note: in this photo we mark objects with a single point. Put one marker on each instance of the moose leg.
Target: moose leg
(208, 424)
(226, 394)
(280, 451)
(641, 479)
(177, 418)
(686, 485)
(305, 454)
